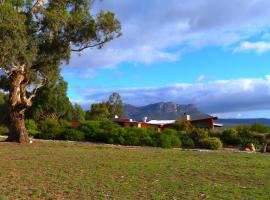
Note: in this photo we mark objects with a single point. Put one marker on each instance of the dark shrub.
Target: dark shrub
(4, 130)
(31, 127)
(211, 143)
(132, 136)
(230, 137)
(64, 123)
(215, 133)
(91, 130)
(187, 141)
(183, 125)
(49, 129)
(244, 141)
(198, 134)
(73, 135)
(260, 128)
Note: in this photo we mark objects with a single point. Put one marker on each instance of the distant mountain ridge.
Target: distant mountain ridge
(162, 111)
(234, 122)
(172, 111)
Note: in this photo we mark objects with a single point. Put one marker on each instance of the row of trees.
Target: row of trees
(52, 102)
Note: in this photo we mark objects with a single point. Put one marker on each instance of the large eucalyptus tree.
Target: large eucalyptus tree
(36, 37)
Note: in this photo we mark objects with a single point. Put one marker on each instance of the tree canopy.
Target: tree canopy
(36, 37)
(115, 105)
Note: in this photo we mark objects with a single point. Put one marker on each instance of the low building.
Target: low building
(199, 120)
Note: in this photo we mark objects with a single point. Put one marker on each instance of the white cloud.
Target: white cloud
(223, 96)
(258, 47)
(152, 27)
(201, 77)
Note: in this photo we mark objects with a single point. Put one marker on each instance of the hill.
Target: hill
(161, 110)
(235, 122)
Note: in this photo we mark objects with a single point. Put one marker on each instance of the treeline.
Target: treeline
(52, 113)
(52, 102)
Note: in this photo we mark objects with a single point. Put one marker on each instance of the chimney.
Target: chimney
(145, 119)
(186, 117)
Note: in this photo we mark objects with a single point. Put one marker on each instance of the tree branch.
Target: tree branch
(90, 46)
(36, 6)
(34, 93)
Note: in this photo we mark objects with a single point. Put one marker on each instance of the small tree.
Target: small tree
(98, 111)
(78, 113)
(51, 102)
(36, 37)
(115, 105)
(266, 142)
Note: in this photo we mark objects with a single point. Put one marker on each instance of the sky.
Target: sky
(211, 53)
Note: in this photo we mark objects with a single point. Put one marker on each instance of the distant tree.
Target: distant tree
(260, 128)
(36, 37)
(78, 113)
(182, 125)
(98, 111)
(51, 102)
(265, 143)
(115, 105)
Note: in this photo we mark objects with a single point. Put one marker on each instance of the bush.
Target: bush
(230, 137)
(211, 143)
(91, 130)
(215, 133)
(4, 130)
(169, 139)
(260, 128)
(49, 129)
(31, 127)
(183, 125)
(198, 134)
(187, 141)
(244, 141)
(73, 135)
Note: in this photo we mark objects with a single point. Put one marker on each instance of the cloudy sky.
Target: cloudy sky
(212, 53)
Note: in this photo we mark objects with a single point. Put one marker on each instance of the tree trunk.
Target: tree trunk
(18, 103)
(18, 131)
(264, 147)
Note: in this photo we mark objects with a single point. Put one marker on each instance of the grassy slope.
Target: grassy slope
(83, 171)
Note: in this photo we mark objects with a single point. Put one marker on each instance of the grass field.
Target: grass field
(86, 171)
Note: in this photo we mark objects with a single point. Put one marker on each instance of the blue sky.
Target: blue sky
(215, 54)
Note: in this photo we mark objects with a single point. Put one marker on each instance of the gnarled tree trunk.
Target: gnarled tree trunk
(18, 104)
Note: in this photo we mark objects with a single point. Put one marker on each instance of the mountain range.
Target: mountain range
(172, 110)
(162, 111)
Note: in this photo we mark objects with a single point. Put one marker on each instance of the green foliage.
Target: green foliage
(183, 125)
(91, 130)
(37, 37)
(187, 141)
(73, 134)
(230, 136)
(260, 128)
(31, 127)
(211, 143)
(4, 130)
(197, 134)
(168, 139)
(115, 105)
(49, 129)
(98, 111)
(51, 102)
(78, 113)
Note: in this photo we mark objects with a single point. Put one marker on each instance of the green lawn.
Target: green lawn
(64, 170)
